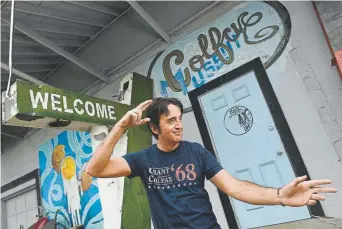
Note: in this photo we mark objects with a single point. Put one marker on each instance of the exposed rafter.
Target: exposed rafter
(43, 12)
(19, 41)
(55, 29)
(27, 49)
(37, 61)
(22, 75)
(150, 21)
(46, 42)
(28, 53)
(35, 68)
(65, 31)
(23, 40)
(95, 7)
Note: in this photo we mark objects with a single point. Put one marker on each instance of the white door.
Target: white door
(249, 147)
(22, 210)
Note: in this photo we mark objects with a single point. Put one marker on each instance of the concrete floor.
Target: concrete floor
(309, 224)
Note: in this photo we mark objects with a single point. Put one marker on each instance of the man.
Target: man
(173, 171)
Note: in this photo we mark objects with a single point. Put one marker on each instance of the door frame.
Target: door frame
(281, 124)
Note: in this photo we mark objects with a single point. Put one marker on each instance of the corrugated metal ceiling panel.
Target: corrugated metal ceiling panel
(74, 25)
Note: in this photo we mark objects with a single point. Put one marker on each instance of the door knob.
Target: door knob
(279, 152)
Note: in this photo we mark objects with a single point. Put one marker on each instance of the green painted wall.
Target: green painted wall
(135, 210)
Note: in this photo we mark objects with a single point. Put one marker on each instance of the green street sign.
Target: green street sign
(42, 106)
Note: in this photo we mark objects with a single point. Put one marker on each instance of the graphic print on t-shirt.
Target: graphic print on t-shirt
(172, 177)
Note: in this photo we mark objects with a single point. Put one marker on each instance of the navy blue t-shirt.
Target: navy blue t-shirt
(174, 182)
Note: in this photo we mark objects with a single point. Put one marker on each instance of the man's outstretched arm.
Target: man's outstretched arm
(297, 193)
(101, 164)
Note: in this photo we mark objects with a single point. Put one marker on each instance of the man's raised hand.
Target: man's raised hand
(133, 117)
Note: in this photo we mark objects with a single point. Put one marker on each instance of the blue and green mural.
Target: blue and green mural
(64, 184)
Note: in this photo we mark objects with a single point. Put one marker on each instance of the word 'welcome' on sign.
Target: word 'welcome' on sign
(62, 103)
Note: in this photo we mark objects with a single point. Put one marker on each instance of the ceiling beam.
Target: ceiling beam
(25, 40)
(23, 48)
(28, 53)
(74, 31)
(35, 68)
(35, 44)
(33, 61)
(150, 21)
(95, 7)
(34, 35)
(49, 13)
(22, 75)
(62, 43)
(22, 41)
(63, 31)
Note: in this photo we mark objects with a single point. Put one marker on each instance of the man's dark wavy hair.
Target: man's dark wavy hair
(158, 108)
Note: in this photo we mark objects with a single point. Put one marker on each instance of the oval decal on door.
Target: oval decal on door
(238, 120)
(247, 31)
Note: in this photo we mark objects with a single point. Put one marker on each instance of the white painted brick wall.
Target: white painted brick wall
(312, 59)
(335, 101)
